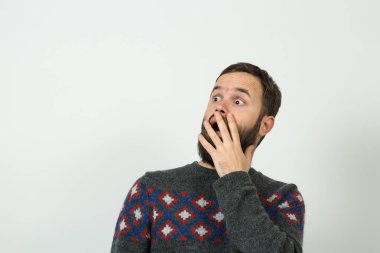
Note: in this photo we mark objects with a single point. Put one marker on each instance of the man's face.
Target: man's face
(240, 94)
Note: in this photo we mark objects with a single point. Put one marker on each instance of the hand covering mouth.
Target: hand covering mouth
(214, 124)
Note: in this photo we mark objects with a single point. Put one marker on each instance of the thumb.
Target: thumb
(249, 152)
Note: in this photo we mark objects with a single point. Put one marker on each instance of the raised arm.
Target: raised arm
(274, 224)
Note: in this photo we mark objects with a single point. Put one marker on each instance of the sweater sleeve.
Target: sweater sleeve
(132, 231)
(266, 223)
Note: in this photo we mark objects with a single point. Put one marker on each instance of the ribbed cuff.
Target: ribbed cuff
(231, 181)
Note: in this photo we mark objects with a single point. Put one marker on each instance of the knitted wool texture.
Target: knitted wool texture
(192, 209)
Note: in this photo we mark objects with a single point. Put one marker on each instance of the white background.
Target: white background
(95, 93)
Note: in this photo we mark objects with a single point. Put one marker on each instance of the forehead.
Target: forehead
(232, 81)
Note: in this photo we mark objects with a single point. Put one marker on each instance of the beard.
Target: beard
(248, 136)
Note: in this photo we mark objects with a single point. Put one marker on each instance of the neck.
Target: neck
(204, 164)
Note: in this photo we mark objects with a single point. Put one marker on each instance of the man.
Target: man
(219, 204)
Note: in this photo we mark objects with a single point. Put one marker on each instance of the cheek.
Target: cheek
(243, 122)
(208, 112)
(239, 119)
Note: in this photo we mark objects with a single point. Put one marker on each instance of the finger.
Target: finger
(233, 128)
(222, 128)
(210, 131)
(209, 148)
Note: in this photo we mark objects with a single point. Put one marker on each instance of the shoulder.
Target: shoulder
(268, 187)
(266, 183)
(280, 198)
(159, 177)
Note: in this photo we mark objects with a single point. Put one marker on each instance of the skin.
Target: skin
(241, 110)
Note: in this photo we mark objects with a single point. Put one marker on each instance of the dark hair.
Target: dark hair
(271, 97)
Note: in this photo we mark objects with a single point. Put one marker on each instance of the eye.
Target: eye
(239, 101)
(216, 98)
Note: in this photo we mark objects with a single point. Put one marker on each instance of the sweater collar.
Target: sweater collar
(196, 165)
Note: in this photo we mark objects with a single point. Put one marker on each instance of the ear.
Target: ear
(267, 124)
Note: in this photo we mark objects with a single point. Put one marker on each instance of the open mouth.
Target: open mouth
(215, 126)
(213, 123)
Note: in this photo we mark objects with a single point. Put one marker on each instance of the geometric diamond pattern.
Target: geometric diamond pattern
(184, 215)
(298, 197)
(201, 231)
(168, 199)
(217, 217)
(167, 229)
(154, 214)
(137, 215)
(287, 206)
(202, 203)
(124, 226)
(272, 199)
(135, 191)
(291, 217)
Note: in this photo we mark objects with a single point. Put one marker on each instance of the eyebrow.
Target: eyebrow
(236, 89)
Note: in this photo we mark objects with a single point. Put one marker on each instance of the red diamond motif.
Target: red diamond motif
(137, 214)
(291, 217)
(123, 226)
(201, 231)
(168, 199)
(217, 217)
(287, 204)
(135, 192)
(202, 203)
(156, 214)
(298, 197)
(272, 199)
(167, 230)
(184, 215)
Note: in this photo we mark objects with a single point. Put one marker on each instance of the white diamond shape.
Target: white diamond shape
(184, 214)
(168, 199)
(292, 216)
(273, 197)
(155, 214)
(219, 216)
(122, 225)
(201, 231)
(134, 190)
(138, 214)
(166, 230)
(284, 205)
(202, 202)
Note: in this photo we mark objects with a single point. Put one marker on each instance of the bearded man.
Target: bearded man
(220, 203)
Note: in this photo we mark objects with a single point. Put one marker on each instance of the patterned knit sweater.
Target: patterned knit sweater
(191, 209)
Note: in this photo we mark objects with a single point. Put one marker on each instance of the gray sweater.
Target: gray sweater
(192, 209)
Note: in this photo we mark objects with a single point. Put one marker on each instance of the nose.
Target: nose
(222, 110)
